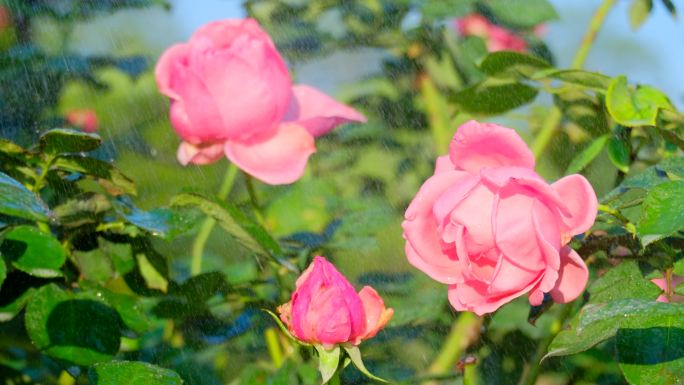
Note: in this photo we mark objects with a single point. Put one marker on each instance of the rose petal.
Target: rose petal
(318, 112)
(195, 115)
(443, 163)
(423, 247)
(171, 62)
(223, 33)
(377, 316)
(473, 296)
(514, 231)
(581, 201)
(253, 89)
(573, 276)
(478, 145)
(200, 155)
(279, 160)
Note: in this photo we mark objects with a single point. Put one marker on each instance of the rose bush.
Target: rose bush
(492, 229)
(231, 94)
(325, 309)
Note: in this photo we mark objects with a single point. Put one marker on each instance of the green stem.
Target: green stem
(44, 170)
(274, 349)
(532, 371)
(550, 124)
(254, 198)
(208, 224)
(463, 332)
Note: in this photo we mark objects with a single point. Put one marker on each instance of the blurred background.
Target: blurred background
(350, 203)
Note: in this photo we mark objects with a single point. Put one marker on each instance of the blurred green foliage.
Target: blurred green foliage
(95, 234)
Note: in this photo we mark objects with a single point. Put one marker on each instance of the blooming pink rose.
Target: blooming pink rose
(492, 229)
(325, 309)
(231, 95)
(668, 294)
(496, 37)
(85, 119)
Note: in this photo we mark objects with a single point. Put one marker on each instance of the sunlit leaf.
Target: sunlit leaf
(33, 251)
(523, 13)
(638, 12)
(77, 328)
(131, 373)
(586, 156)
(634, 107)
(64, 140)
(328, 361)
(494, 99)
(16, 200)
(662, 212)
(103, 171)
(249, 233)
(512, 64)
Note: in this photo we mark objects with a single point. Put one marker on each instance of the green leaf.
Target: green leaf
(638, 12)
(623, 281)
(670, 7)
(634, 107)
(512, 64)
(582, 78)
(662, 212)
(328, 361)
(494, 99)
(94, 265)
(355, 355)
(663, 172)
(17, 201)
(587, 155)
(523, 13)
(152, 276)
(247, 232)
(10, 309)
(12, 148)
(131, 373)
(619, 150)
(652, 353)
(77, 328)
(202, 287)
(87, 208)
(64, 141)
(162, 222)
(109, 176)
(33, 251)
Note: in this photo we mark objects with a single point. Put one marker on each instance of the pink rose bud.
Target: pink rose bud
(668, 294)
(325, 309)
(496, 37)
(492, 229)
(85, 119)
(231, 95)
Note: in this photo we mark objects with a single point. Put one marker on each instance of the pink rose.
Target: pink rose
(85, 119)
(492, 229)
(231, 95)
(668, 294)
(496, 37)
(325, 309)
